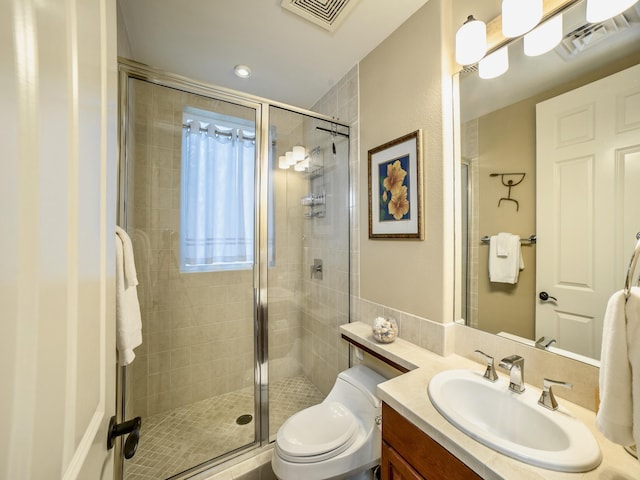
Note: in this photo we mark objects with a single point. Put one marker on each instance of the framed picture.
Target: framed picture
(395, 188)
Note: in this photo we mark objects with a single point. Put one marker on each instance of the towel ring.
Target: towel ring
(632, 267)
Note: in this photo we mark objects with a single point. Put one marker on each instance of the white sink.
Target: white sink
(514, 424)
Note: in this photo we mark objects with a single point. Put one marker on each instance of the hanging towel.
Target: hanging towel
(633, 344)
(505, 269)
(142, 252)
(502, 244)
(619, 415)
(128, 320)
(615, 415)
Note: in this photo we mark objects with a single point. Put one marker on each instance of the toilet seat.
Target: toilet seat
(317, 433)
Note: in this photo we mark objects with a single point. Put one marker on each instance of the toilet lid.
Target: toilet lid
(317, 430)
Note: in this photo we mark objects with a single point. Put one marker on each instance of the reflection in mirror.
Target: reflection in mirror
(550, 153)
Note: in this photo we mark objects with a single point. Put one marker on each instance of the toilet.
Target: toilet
(337, 439)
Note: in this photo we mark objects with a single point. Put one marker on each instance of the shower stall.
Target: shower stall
(238, 210)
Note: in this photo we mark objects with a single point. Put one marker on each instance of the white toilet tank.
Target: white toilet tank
(356, 388)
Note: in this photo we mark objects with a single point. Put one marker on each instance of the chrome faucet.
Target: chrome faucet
(544, 346)
(547, 399)
(514, 364)
(490, 373)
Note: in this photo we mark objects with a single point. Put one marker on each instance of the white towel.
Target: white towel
(505, 269)
(633, 344)
(128, 320)
(142, 252)
(502, 244)
(619, 415)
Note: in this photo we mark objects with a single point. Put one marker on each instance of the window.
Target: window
(217, 203)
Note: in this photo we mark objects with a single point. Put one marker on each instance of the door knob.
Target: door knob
(130, 428)
(544, 296)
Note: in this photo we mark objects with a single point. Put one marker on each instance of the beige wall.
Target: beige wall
(507, 144)
(405, 85)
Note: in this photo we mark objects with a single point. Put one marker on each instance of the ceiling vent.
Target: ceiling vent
(589, 35)
(327, 14)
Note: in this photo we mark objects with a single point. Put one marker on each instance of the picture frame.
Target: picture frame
(395, 189)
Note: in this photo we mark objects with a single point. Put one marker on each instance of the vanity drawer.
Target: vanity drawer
(409, 453)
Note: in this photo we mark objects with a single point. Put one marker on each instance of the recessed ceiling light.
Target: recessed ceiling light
(242, 71)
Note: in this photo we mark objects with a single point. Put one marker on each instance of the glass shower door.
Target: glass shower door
(188, 205)
(309, 272)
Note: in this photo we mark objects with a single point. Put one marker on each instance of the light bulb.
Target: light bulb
(289, 157)
(544, 37)
(282, 162)
(471, 41)
(298, 153)
(520, 16)
(494, 65)
(601, 10)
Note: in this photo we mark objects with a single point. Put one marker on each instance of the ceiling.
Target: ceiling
(293, 60)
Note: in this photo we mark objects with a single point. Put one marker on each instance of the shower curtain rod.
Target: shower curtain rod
(333, 132)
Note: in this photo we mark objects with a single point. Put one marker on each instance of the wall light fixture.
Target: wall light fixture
(601, 10)
(471, 41)
(520, 16)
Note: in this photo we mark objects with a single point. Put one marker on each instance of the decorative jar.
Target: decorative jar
(385, 330)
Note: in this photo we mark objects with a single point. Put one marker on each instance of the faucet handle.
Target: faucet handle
(547, 399)
(490, 373)
(544, 346)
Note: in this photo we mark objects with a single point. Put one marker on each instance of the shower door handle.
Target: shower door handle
(130, 427)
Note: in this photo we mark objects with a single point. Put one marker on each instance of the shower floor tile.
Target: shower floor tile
(177, 440)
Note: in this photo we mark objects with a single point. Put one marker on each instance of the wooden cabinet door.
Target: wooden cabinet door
(412, 454)
(394, 467)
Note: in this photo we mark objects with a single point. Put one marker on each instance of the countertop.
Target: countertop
(407, 394)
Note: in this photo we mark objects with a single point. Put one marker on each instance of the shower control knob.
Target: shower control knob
(378, 420)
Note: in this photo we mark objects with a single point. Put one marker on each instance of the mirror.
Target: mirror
(573, 243)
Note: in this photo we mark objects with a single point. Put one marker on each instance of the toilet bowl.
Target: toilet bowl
(337, 439)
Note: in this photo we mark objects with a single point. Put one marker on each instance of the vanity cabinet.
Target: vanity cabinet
(410, 454)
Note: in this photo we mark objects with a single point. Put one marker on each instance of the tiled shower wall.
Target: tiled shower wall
(327, 300)
(197, 327)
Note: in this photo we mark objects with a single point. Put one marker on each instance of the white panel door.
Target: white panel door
(588, 172)
(57, 192)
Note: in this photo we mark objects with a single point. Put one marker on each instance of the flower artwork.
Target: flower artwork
(394, 184)
(395, 189)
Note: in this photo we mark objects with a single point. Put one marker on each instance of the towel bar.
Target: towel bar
(530, 239)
